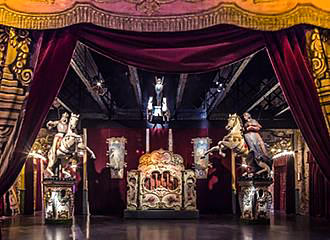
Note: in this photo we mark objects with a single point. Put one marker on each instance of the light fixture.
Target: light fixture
(98, 85)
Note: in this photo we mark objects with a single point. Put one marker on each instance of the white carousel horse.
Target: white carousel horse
(234, 140)
(71, 144)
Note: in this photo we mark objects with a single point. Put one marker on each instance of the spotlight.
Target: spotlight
(244, 165)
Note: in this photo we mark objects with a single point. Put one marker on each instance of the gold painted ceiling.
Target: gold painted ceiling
(164, 15)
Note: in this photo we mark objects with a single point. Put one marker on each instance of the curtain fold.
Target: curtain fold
(287, 51)
(54, 58)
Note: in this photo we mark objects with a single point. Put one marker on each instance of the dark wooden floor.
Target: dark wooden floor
(207, 227)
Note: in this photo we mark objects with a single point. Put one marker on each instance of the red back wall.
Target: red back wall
(108, 196)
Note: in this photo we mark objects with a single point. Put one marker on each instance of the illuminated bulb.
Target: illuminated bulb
(99, 84)
(244, 165)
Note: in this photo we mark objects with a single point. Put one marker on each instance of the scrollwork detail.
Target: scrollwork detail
(317, 45)
(20, 40)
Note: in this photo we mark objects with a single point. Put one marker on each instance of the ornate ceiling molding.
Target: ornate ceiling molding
(223, 13)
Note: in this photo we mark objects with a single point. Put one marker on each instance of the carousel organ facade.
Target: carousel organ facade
(161, 182)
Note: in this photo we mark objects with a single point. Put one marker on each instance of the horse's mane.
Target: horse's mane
(240, 121)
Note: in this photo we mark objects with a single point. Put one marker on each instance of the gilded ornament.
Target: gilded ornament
(318, 47)
(223, 13)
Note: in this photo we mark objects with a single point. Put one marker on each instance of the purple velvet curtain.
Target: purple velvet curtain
(194, 51)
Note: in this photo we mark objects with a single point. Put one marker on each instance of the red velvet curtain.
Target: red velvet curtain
(319, 191)
(53, 61)
(287, 51)
(194, 51)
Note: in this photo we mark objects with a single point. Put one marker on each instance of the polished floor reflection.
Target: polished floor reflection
(207, 227)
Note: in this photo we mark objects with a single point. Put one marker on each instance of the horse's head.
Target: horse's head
(64, 118)
(233, 121)
(74, 119)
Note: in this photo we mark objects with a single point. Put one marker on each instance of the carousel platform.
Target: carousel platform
(161, 214)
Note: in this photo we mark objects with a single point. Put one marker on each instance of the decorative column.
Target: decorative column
(85, 184)
(302, 174)
(21, 189)
(233, 182)
(147, 140)
(170, 140)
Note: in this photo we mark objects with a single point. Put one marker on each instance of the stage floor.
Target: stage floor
(207, 227)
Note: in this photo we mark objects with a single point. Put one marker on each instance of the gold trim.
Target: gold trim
(225, 13)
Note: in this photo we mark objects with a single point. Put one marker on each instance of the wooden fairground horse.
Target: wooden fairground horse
(234, 140)
(68, 147)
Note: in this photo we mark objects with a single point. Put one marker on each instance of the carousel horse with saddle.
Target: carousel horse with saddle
(66, 145)
(254, 158)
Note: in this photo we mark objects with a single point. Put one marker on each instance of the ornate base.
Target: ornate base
(57, 221)
(255, 201)
(161, 214)
(256, 221)
(58, 199)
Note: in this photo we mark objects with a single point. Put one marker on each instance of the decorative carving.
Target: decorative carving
(263, 1)
(15, 62)
(132, 186)
(116, 152)
(318, 45)
(161, 182)
(189, 195)
(59, 201)
(201, 163)
(15, 75)
(14, 199)
(222, 13)
(255, 200)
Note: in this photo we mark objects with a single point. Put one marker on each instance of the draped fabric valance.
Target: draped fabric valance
(164, 15)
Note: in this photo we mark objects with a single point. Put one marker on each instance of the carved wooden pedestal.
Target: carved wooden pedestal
(58, 201)
(255, 201)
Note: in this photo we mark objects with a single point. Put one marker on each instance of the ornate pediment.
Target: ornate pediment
(164, 15)
(160, 157)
